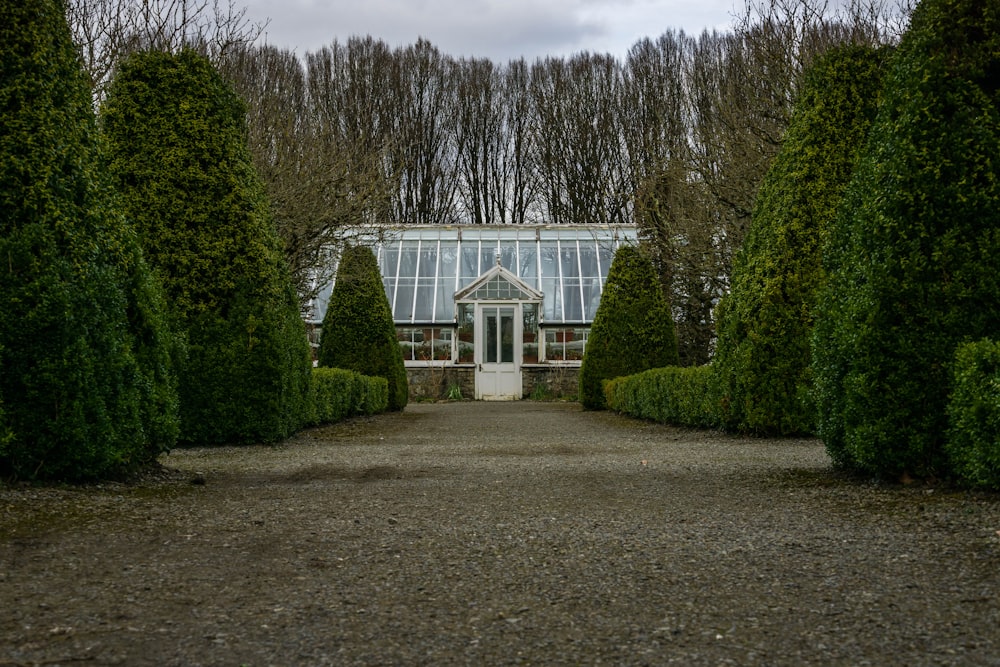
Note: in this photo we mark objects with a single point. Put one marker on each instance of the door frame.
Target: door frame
(512, 389)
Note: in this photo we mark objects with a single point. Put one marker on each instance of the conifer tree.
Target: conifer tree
(633, 330)
(176, 134)
(913, 259)
(87, 386)
(358, 331)
(762, 361)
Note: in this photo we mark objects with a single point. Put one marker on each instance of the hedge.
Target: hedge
(671, 395)
(358, 330)
(762, 355)
(912, 259)
(973, 445)
(633, 329)
(335, 394)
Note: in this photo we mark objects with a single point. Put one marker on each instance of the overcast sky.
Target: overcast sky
(495, 29)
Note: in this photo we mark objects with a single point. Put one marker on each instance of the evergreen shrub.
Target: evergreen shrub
(336, 393)
(176, 137)
(762, 360)
(673, 395)
(912, 261)
(358, 330)
(633, 329)
(974, 415)
(87, 383)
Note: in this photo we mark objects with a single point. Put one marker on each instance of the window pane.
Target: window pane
(572, 305)
(553, 346)
(449, 260)
(490, 338)
(466, 333)
(507, 335)
(569, 260)
(529, 333)
(588, 260)
(403, 310)
(528, 264)
(508, 257)
(424, 308)
(591, 297)
(470, 262)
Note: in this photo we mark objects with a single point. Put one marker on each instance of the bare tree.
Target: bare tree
(105, 31)
(324, 187)
(580, 154)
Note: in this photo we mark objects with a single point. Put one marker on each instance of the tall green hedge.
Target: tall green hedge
(176, 134)
(913, 259)
(633, 329)
(358, 331)
(762, 360)
(87, 385)
(973, 445)
(682, 396)
(337, 393)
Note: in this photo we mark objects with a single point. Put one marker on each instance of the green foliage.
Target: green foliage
(762, 360)
(176, 135)
(358, 331)
(633, 329)
(335, 394)
(673, 395)
(87, 382)
(973, 445)
(912, 259)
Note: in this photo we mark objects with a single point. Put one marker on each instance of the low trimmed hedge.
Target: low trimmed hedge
(335, 394)
(973, 445)
(672, 395)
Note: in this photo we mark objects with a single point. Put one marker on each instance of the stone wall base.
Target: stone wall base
(443, 382)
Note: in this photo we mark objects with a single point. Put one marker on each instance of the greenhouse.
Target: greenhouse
(493, 311)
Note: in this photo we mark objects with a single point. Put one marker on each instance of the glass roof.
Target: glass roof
(423, 267)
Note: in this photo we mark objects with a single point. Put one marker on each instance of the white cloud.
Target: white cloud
(495, 29)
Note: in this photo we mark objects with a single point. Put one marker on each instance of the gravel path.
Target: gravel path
(500, 533)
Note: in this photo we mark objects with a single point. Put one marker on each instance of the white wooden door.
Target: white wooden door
(498, 352)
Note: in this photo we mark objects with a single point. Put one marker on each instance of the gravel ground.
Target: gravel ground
(500, 533)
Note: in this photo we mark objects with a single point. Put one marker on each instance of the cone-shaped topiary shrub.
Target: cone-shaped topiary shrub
(86, 385)
(633, 330)
(358, 331)
(912, 262)
(762, 361)
(176, 134)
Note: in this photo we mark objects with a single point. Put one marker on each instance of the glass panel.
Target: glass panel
(554, 349)
(528, 264)
(568, 257)
(466, 333)
(403, 308)
(423, 309)
(508, 257)
(487, 257)
(507, 335)
(529, 333)
(407, 342)
(408, 259)
(390, 261)
(549, 255)
(588, 260)
(469, 263)
(449, 260)
(572, 304)
(576, 343)
(490, 336)
(591, 297)
(445, 308)
(552, 305)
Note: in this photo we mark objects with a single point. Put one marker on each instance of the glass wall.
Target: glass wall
(423, 267)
